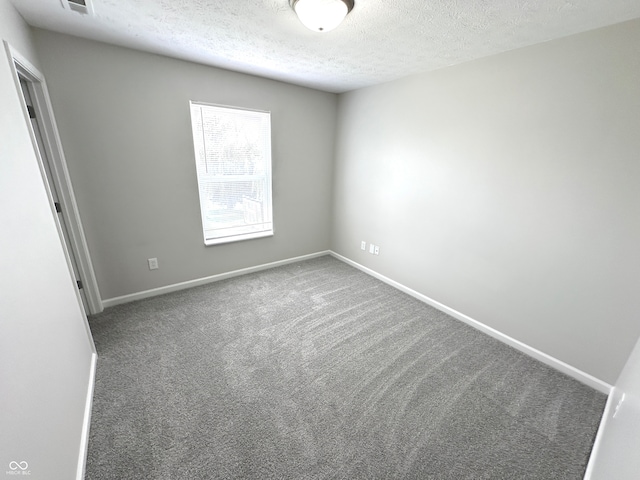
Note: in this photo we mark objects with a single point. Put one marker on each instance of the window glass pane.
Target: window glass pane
(233, 163)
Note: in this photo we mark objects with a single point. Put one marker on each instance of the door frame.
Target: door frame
(20, 66)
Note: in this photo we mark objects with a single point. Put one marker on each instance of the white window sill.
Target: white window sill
(237, 238)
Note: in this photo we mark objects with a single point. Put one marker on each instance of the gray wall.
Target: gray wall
(45, 350)
(124, 120)
(507, 189)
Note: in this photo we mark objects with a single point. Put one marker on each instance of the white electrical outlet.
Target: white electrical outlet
(363, 245)
(377, 250)
(371, 248)
(153, 263)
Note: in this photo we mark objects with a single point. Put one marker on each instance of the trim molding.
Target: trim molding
(593, 458)
(86, 422)
(59, 176)
(203, 281)
(518, 345)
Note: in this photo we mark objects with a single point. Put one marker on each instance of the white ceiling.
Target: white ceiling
(379, 41)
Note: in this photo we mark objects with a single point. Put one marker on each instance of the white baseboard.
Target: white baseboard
(593, 458)
(518, 345)
(86, 421)
(203, 281)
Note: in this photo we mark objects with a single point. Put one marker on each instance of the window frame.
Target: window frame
(203, 178)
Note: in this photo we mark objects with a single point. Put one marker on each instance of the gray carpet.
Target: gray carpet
(316, 370)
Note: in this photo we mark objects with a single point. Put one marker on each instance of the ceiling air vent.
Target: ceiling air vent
(80, 6)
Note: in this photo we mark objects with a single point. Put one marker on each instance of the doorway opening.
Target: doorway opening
(48, 148)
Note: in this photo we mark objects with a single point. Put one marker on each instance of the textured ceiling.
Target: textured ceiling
(379, 41)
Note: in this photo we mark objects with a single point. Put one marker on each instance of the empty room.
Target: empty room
(320, 239)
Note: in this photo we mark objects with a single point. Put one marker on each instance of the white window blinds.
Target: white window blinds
(233, 163)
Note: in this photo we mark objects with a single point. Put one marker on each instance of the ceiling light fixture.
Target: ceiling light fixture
(321, 15)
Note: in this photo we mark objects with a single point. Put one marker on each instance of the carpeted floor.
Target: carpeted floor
(316, 370)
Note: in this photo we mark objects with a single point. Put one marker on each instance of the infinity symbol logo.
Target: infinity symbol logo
(15, 465)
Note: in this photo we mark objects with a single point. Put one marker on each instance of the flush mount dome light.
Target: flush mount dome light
(321, 15)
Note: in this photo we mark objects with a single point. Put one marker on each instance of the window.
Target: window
(233, 163)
